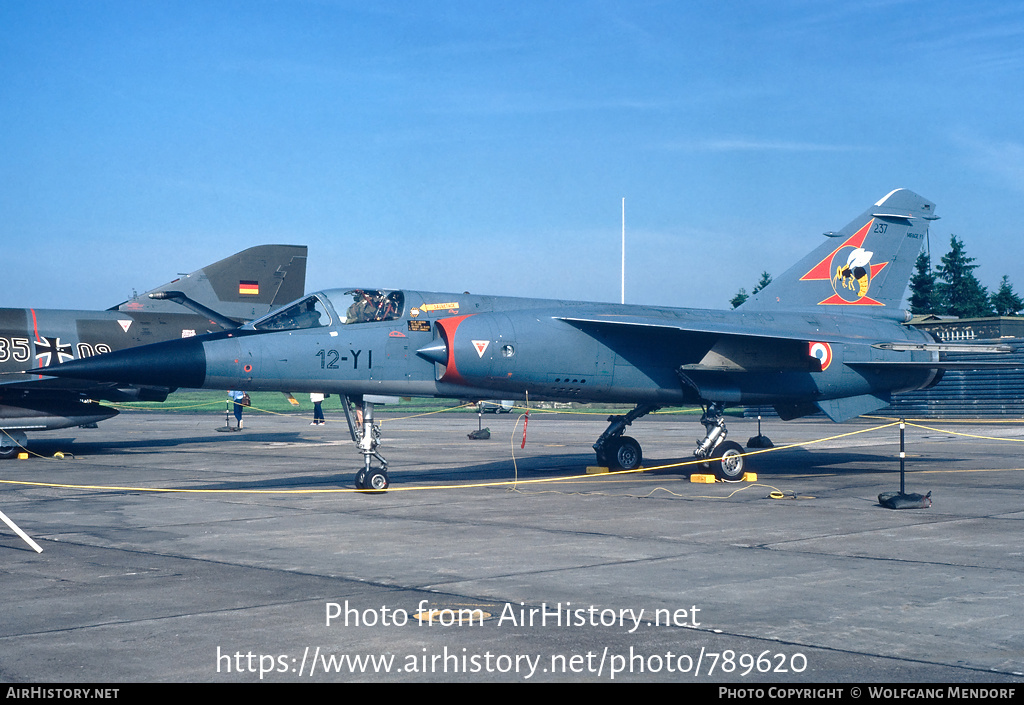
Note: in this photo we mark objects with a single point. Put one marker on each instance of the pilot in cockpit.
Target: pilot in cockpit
(362, 309)
(308, 316)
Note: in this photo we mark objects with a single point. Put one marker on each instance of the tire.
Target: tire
(376, 480)
(626, 453)
(729, 461)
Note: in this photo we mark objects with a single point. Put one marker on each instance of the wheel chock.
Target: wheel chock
(597, 470)
(703, 479)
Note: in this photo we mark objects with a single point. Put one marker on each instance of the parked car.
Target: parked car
(495, 406)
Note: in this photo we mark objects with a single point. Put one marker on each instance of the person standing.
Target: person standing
(241, 399)
(318, 412)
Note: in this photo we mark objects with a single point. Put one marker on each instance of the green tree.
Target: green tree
(766, 279)
(1005, 301)
(923, 297)
(742, 294)
(960, 292)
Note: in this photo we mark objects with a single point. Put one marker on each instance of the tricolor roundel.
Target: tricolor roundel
(822, 351)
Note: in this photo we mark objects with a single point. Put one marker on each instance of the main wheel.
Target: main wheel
(625, 453)
(729, 457)
(8, 452)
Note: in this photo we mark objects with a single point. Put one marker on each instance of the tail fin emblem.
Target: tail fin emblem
(850, 271)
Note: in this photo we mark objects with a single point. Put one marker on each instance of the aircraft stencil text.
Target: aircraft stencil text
(329, 359)
(16, 349)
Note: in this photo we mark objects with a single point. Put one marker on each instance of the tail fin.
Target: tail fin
(244, 286)
(863, 268)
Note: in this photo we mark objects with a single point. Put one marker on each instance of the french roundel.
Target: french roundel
(822, 351)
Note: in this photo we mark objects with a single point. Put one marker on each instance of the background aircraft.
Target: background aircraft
(224, 295)
(827, 335)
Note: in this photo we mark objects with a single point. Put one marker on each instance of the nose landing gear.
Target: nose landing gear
(368, 439)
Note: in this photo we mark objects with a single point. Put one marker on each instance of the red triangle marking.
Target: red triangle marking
(822, 269)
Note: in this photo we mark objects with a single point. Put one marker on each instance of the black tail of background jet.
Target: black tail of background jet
(244, 286)
(862, 269)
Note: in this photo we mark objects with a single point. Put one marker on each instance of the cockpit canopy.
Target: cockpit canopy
(309, 312)
(320, 310)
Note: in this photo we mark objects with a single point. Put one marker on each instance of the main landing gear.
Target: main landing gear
(618, 451)
(368, 438)
(726, 457)
(12, 443)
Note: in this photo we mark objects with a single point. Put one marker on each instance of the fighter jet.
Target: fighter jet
(828, 335)
(222, 296)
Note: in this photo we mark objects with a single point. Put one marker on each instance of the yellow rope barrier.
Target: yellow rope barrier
(498, 483)
(966, 435)
(512, 484)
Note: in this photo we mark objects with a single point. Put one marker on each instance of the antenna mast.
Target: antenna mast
(623, 299)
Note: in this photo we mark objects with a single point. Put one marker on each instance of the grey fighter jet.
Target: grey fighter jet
(222, 296)
(828, 335)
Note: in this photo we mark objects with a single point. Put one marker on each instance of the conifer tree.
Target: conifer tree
(766, 279)
(923, 297)
(960, 292)
(742, 294)
(1005, 301)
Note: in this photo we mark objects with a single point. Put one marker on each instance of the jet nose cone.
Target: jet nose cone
(435, 352)
(175, 363)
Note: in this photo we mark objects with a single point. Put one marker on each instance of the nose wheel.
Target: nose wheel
(372, 479)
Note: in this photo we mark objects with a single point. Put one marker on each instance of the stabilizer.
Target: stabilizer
(244, 286)
(864, 268)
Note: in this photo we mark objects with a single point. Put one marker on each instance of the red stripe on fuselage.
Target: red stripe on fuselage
(448, 327)
(35, 332)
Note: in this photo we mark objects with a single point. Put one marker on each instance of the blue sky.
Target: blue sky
(486, 146)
